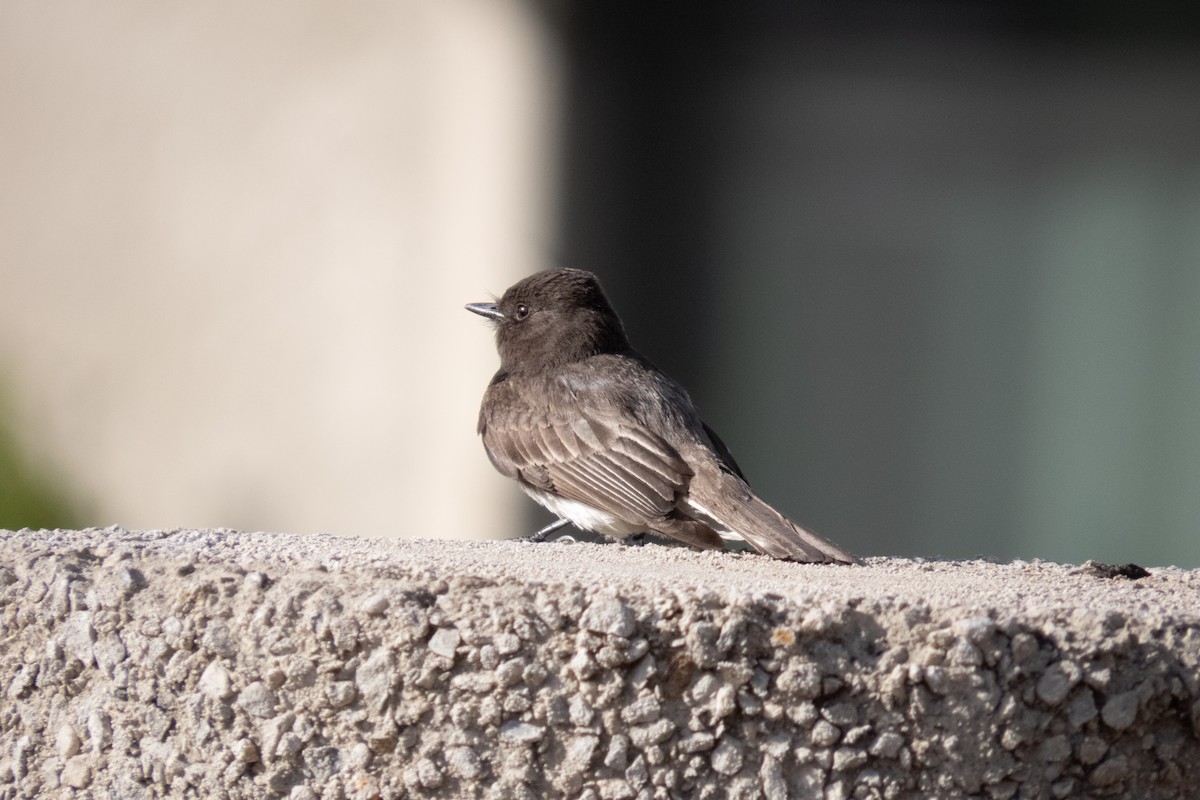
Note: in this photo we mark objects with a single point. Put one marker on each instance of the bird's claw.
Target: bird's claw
(541, 535)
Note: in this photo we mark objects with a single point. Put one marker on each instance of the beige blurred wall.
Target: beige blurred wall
(235, 242)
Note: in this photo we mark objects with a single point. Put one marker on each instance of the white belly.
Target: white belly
(583, 516)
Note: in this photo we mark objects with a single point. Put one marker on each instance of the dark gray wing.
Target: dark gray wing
(609, 463)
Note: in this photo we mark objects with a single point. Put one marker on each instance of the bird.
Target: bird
(597, 434)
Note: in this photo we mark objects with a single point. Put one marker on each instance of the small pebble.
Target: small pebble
(376, 604)
(976, 629)
(1120, 710)
(726, 757)
(444, 642)
(937, 679)
(825, 734)
(66, 742)
(245, 751)
(341, 694)
(843, 715)
(643, 736)
(580, 751)
(580, 712)
(1063, 788)
(216, 682)
(644, 709)
(617, 756)
(964, 654)
(99, 728)
(1055, 750)
(275, 679)
(1082, 708)
(289, 745)
(1024, 645)
(697, 742)
(519, 731)
(256, 580)
(1112, 770)
(1092, 749)
(429, 774)
(463, 762)
(608, 615)
(848, 758)
(77, 773)
(507, 643)
(803, 713)
(489, 657)
(359, 757)
(1057, 681)
(887, 745)
(257, 700)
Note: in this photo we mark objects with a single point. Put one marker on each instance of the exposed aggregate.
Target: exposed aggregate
(216, 664)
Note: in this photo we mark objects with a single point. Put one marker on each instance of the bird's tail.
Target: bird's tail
(739, 513)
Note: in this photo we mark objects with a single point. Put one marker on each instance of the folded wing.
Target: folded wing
(619, 468)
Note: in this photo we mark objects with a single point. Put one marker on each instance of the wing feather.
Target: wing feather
(611, 464)
(588, 483)
(607, 485)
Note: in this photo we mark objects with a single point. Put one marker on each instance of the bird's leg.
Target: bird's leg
(541, 535)
(637, 539)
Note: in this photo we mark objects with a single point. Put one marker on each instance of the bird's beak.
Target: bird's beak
(488, 310)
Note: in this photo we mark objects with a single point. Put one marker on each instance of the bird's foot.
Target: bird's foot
(541, 535)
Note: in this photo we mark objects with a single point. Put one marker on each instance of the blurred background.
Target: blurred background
(931, 269)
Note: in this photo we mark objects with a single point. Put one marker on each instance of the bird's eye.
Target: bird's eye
(522, 311)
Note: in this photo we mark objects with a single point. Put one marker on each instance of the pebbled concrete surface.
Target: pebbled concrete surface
(216, 664)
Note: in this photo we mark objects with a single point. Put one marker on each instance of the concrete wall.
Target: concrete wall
(218, 664)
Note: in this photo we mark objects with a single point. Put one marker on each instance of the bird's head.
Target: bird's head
(552, 318)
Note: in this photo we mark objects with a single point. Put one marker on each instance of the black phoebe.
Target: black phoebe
(594, 432)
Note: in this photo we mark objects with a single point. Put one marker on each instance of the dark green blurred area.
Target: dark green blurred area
(28, 498)
(931, 270)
